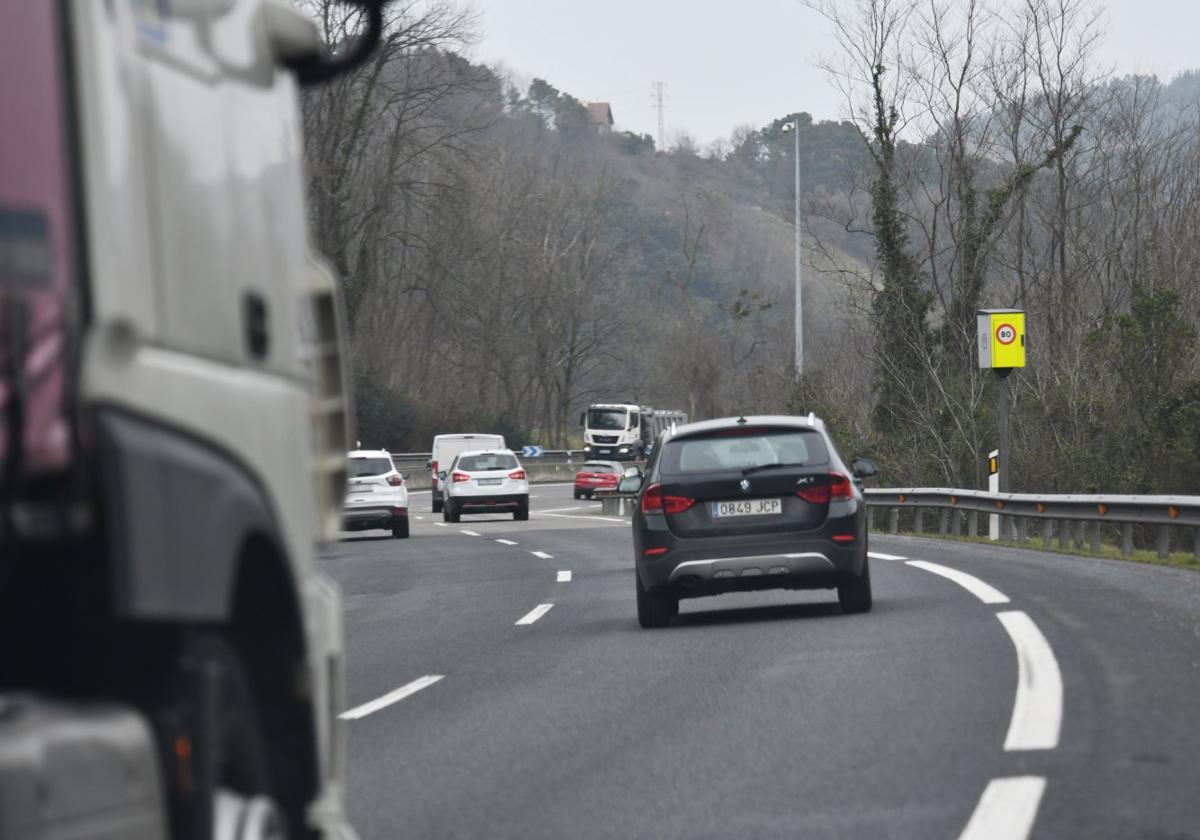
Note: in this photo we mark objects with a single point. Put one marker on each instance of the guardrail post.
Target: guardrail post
(956, 523)
(893, 520)
(1094, 529)
(1196, 545)
(944, 522)
(1022, 528)
(1127, 539)
(973, 524)
(1080, 535)
(1164, 541)
(870, 518)
(1047, 532)
(1064, 533)
(919, 521)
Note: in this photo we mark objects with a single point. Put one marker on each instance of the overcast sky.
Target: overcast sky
(729, 62)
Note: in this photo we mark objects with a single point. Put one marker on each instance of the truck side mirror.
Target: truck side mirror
(583, 418)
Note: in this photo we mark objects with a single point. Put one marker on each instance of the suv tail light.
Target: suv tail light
(653, 501)
(433, 467)
(517, 475)
(395, 480)
(836, 490)
(457, 477)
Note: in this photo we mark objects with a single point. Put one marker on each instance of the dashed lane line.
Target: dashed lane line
(564, 576)
(542, 555)
(391, 697)
(506, 542)
(534, 614)
(468, 533)
(1007, 809)
(984, 592)
(440, 524)
(1038, 709)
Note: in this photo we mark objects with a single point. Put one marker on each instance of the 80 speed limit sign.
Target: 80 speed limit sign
(1006, 334)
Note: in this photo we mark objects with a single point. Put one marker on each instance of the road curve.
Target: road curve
(510, 693)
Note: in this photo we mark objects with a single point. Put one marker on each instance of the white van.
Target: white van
(445, 448)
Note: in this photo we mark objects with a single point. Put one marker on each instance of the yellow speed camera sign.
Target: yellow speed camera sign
(1001, 338)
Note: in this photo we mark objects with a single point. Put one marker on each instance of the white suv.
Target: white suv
(375, 496)
(485, 481)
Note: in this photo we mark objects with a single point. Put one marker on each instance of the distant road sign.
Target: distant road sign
(532, 451)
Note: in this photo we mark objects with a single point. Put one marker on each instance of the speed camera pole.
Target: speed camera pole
(794, 128)
(1001, 343)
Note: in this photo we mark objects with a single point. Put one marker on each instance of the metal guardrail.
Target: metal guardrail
(404, 460)
(1072, 518)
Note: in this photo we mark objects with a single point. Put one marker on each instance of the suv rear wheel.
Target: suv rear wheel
(521, 514)
(855, 594)
(400, 528)
(437, 503)
(654, 609)
(451, 513)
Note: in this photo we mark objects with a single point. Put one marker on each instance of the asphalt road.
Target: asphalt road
(1038, 695)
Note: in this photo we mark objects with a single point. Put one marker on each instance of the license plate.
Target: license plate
(750, 507)
(488, 482)
(605, 451)
(361, 487)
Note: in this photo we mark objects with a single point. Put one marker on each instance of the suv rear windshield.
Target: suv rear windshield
(739, 449)
(490, 461)
(363, 467)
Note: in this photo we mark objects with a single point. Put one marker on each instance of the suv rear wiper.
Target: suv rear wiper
(762, 467)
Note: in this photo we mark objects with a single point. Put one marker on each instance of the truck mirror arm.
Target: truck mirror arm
(314, 68)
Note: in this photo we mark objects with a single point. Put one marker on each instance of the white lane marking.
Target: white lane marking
(468, 533)
(879, 555)
(506, 542)
(588, 518)
(561, 510)
(1006, 810)
(391, 697)
(538, 484)
(440, 524)
(534, 614)
(1037, 712)
(421, 517)
(563, 577)
(981, 590)
(542, 554)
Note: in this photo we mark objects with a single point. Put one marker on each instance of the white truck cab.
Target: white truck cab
(173, 422)
(624, 431)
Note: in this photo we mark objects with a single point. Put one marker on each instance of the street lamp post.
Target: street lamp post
(794, 128)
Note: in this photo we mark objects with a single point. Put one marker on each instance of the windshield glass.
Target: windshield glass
(743, 450)
(362, 467)
(488, 461)
(599, 468)
(606, 418)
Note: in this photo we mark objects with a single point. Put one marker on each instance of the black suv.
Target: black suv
(748, 503)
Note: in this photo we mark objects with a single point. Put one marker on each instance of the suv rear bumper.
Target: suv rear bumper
(497, 502)
(366, 518)
(710, 566)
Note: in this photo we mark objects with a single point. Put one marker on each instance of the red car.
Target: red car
(596, 475)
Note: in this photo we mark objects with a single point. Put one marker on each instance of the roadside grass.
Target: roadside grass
(1178, 559)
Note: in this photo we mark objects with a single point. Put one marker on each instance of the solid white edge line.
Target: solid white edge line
(534, 614)
(506, 542)
(561, 510)
(468, 533)
(1038, 709)
(574, 516)
(984, 592)
(391, 697)
(542, 555)
(1006, 810)
(879, 555)
(564, 576)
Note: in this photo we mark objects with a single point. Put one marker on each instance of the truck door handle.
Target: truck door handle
(255, 321)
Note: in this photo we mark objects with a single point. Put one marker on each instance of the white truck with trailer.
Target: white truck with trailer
(624, 431)
(173, 425)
